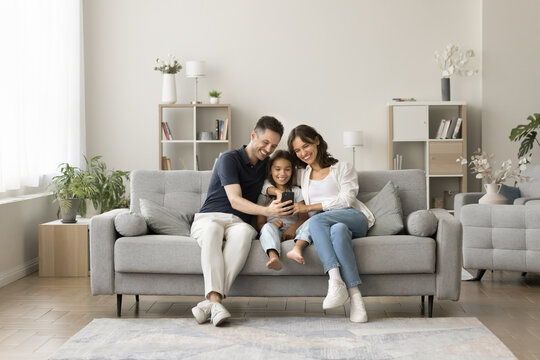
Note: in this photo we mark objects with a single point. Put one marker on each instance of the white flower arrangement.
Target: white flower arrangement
(452, 61)
(480, 165)
(172, 66)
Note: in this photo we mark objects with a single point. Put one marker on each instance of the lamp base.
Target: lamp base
(196, 102)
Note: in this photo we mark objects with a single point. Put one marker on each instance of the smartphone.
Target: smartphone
(286, 196)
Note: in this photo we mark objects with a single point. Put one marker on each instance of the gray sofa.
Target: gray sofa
(502, 237)
(398, 265)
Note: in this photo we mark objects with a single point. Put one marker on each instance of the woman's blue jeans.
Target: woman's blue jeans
(332, 233)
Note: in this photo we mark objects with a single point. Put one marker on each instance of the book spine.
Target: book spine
(217, 129)
(457, 128)
(165, 132)
(451, 128)
(169, 130)
(225, 129)
(221, 133)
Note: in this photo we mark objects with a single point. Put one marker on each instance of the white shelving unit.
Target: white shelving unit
(412, 134)
(185, 121)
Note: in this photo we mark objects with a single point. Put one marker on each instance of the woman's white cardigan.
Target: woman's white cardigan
(347, 180)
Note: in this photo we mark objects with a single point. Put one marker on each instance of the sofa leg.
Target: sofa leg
(430, 306)
(118, 305)
(524, 273)
(422, 306)
(137, 298)
(479, 274)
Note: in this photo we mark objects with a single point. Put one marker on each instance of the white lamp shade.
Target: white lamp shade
(195, 68)
(353, 138)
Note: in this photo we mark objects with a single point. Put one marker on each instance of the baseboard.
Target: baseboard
(18, 272)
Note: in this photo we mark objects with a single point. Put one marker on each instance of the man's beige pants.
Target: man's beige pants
(221, 260)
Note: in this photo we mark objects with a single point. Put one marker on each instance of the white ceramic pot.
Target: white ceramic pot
(168, 91)
(214, 100)
(492, 195)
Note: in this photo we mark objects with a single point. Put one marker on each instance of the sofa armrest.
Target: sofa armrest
(463, 199)
(527, 201)
(449, 250)
(102, 238)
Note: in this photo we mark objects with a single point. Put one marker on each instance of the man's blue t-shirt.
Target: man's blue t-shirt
(233, 167)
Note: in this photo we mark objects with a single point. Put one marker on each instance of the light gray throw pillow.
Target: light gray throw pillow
(422, 223)
(130, 224)
(165, 221)
(386, 207)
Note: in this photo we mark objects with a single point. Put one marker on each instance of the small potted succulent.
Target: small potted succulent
(214, 96)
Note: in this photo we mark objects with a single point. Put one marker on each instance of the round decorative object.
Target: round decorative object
(492, 195)
(445, 89)
(214, 100)
(168, 91)
(422, 223)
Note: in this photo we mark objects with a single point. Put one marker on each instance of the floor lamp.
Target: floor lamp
(195, 69)
(353, 139)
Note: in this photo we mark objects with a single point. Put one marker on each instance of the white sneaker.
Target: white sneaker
(337, 295)
(201, 312)
(358, 310)
(219, 314)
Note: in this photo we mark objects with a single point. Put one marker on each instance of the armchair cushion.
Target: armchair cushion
(386, 207)
(165, 221)
(422, 223)
(510, 192)
(130, 224)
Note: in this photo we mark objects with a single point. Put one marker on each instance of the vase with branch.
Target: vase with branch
(452, 62)
(169, 69)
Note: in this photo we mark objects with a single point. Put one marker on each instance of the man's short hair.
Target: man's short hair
(270, 123)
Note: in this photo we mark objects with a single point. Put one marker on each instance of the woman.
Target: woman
(329, 188)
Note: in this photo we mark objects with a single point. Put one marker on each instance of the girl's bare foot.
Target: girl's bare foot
(274, 264)
(296, 255)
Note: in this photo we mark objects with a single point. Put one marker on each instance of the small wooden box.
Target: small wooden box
(443, 156)
(63, 248)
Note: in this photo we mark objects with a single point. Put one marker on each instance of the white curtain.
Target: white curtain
(41, 89)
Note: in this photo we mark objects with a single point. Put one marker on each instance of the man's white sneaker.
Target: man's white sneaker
(358, 310)
(219, 314)
(201, 312)
(337, 294)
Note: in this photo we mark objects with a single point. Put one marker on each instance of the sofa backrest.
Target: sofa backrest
(186, 189)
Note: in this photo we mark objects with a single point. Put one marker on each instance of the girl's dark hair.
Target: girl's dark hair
(281, 154)
(309, 135)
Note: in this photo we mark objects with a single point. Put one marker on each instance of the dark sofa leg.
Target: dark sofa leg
(430, 306)
(137, 298)
(524, 273)
(422, 306)
(118, 305)
(479, 274)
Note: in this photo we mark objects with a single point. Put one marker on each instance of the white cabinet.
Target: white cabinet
(194, 144)
(413, 136)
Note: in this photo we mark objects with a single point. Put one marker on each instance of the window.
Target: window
(41, 89)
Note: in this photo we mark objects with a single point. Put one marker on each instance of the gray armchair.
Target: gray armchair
(502, 237)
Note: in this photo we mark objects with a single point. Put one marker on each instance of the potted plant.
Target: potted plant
(214, 96)
(169, 69)
(109, 185)
(452, 62)
(527, 134)
(72, 185)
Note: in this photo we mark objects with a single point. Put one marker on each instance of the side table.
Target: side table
(63, 248)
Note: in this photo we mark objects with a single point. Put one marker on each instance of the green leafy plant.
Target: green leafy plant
(214, 93)
(527, 134)
(72, 183)
(109, 184)
(171, 66)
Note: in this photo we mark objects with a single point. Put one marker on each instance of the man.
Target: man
(231, 201)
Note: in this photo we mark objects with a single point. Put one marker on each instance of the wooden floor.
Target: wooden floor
(37, 315)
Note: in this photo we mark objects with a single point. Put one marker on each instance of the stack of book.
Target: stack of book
(166, 130)
(398, 162)
(221, 129)
(449, 129)
(166, 163)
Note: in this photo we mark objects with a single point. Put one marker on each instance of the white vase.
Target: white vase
(492, 195)
(214, 100)
(168, 91)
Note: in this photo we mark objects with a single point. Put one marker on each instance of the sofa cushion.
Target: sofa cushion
(400, 254)
(422, 223)
(130, 224)
(165, 221)
(386, 207)
(510, 192)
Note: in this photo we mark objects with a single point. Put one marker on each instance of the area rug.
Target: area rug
(285, 338)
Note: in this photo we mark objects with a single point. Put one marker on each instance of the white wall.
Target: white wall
(331, 64)
(511, 76)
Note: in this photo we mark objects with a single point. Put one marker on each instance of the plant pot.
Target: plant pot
(492, 195)
(168, 90)
(214, 100)
(445, 89)
(68, 210)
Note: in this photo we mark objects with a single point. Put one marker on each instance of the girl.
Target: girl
(329, 188)
(274, 230)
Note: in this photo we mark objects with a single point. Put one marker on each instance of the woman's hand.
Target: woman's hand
(300, 208)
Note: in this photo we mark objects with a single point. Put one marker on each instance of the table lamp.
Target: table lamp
(353, 139)
(195, 69)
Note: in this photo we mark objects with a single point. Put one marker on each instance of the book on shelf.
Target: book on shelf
(457, 128)
(217, 129)
(398, 162)
(166, 163)
(168, 130)
(225, 127)
(451, 128)
(165, 132)
(440, 129)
